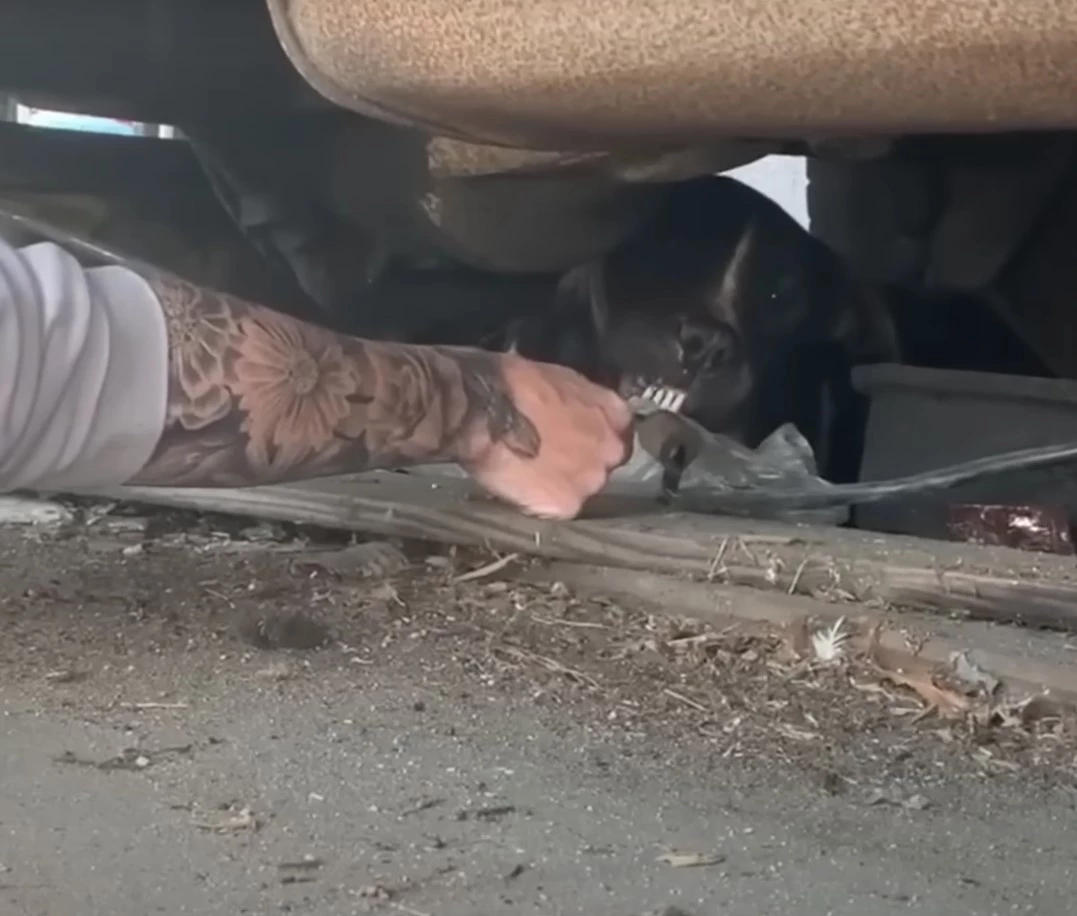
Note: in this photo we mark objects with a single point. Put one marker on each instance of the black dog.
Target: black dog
(731, 308)
(726, 301)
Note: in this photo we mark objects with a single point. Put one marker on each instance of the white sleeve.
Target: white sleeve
(83, 371)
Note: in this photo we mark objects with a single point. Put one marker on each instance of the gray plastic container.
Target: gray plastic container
(921, 419)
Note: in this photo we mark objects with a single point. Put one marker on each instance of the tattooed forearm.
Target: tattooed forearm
(258, 397)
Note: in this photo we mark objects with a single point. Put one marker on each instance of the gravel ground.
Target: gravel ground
(202, 717)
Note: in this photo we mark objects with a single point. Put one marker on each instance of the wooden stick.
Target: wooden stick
(841, 565)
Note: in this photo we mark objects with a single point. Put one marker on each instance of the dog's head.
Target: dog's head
(665, 313)
(709, 304)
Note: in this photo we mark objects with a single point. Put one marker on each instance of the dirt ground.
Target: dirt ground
(211, 716)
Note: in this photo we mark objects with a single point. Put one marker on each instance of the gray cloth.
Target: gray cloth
(83, 371)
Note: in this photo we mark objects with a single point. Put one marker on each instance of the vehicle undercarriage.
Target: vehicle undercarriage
(443, 199)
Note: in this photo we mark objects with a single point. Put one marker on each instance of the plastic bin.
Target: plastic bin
(920, 419)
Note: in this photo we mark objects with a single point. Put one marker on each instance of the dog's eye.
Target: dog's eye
(694, 342)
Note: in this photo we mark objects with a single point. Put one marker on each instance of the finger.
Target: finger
(616, 410)
(620, 444)
(555, 511)
(545, 501)
(549, 514)
(617, 449)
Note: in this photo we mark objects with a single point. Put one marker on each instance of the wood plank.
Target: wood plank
(838, 565)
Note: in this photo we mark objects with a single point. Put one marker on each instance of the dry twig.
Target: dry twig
(488, 570)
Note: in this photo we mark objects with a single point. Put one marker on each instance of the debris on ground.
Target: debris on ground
(515, 872)
(691, 859)
(967, 670)
(19, 510)
(807, 695)
(949, 693)
(830, 643)
(896, 799)
(1045, 529)
(301, 871)
(66, 676)
(920, 677)
(294, 630)
(154, 705)
(307, 863)
(374, 892)
(425, 804)
(241, 819)
(487, 569)
(368, 560)
(491, 813)
(129, 759)
(278, 671)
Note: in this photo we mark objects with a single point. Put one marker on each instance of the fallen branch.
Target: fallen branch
(992, 583)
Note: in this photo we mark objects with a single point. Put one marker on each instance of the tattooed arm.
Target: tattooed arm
(116, 373)
(257, 397)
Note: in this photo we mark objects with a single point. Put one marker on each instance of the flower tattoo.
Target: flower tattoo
(257, 397)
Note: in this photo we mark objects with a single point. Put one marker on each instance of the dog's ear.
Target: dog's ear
(580, 321)
(726, 298)
(583, 290)
(864, 326)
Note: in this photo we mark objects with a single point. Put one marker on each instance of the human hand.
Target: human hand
(571, 436)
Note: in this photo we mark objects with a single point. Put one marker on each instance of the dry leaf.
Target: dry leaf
(690, 859)
(948, 704)
(918, 675)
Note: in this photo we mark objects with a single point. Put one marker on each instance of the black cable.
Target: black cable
(698, 499)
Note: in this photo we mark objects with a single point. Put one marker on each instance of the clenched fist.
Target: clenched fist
(568, 436)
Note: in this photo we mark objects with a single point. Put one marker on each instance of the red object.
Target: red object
(1042, 528)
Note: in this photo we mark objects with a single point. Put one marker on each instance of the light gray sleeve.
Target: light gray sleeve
(83, 371)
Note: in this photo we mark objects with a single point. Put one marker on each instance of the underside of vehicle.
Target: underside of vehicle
(435, 171)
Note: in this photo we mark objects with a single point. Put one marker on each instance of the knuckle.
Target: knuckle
(616, 451)
(563, 509)
(596, 480)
